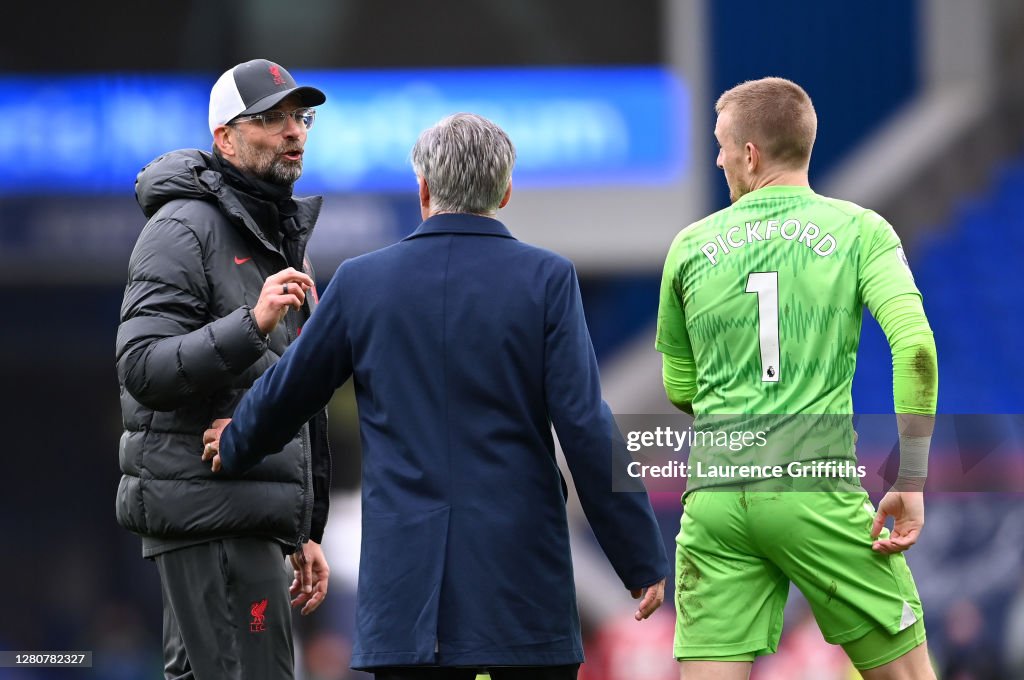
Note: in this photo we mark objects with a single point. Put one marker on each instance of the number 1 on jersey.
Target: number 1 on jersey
(766, 286)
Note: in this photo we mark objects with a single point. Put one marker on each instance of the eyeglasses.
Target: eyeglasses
(274, 121)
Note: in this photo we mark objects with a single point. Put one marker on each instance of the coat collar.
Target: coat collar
(460, 223)
(308, 208)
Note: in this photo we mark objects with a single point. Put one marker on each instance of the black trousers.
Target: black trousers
(227, 612)
(497, 673)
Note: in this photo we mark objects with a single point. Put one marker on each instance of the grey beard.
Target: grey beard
(282, 173)
(266, 166)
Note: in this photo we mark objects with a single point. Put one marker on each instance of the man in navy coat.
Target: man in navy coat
(465, 346)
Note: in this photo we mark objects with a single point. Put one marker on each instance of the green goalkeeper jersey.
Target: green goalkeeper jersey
(767, 295)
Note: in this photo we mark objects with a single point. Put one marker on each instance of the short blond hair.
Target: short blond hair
(774, 114)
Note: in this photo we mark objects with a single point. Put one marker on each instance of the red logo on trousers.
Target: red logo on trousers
(258, 610)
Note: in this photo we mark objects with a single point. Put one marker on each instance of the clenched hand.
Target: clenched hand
(282, 291)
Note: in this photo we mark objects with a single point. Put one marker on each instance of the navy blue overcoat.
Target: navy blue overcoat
(465, 346)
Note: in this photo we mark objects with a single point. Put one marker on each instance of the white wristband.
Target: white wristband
(914, 456)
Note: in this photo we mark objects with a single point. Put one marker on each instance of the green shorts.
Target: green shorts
(738, 551)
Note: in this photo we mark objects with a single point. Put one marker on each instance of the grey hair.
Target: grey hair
(466, 161)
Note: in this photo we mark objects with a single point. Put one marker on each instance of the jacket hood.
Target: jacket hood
(184, 173)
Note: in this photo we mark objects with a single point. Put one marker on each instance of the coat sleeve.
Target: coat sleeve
(168, 348)
(319, 445)
(291, 391)
(623, 521)
(322, 471)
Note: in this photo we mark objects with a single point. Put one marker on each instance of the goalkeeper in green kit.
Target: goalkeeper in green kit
(760, 313)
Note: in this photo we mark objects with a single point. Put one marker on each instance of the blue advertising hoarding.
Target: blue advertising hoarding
(571, 126)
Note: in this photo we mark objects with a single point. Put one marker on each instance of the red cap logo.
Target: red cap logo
(275, 71)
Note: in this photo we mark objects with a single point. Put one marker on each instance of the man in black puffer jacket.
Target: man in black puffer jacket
(218, 286)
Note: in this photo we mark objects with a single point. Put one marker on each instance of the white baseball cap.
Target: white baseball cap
(254, 87)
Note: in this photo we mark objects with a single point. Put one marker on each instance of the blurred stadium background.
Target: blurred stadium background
(921, 117)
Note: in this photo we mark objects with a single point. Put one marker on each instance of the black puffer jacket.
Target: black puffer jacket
(187, 350)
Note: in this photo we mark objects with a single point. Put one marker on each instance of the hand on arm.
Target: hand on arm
(211, 442)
